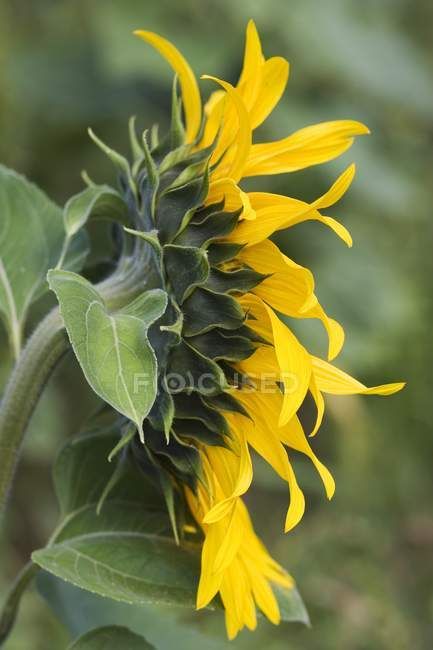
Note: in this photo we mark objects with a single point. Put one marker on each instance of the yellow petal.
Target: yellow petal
(333, 328)
(293, 360)
(274, 76)
(231, 541)
(320, 404)
(337, 190)
(188, 83)
(214, 111)
(295, 366)
(253, 56)
(234, 198)
(289, 288)
(297, 502)
(265, 410)
(293, 435)
(232, 468)
(273, 212)
(276, 212)
(250, 80)
(241, 483)
(243, 139)
(265, 599)
(330, 379)
(337, 227)
(308, 146)
(210, 581)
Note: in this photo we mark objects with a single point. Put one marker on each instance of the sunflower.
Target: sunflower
(235, 321)
(229, 375)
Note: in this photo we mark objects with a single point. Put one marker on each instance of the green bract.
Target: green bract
(162, 358)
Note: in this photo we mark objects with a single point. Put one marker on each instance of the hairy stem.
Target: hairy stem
(10, 607)
(43, 350)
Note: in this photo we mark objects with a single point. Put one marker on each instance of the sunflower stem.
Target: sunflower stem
(32, 370)
(10, 607)
(44, 349)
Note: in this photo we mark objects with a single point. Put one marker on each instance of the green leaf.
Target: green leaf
(99, 201)
(113, 349)
(31, 240)
(131, 567)
(82, 470)
(292, 608)
(81, 473)
(165, 626)
(116, 516)
(111, 637)
(123, 553)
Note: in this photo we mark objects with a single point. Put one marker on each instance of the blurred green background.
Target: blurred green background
(363, 562)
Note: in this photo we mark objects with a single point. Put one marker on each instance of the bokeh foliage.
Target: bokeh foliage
(363, 562)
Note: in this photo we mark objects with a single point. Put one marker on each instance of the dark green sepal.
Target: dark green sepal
(119, 161)
(170, 493)
(216, 226)
(154, 137)
(226, 402)
(176, 207)
(176, 159)
(182, 165)
(189, 370)
(203, 213)
(165, 334)
(216, 346)
(149, 184)
(97, 202)
(197, 431)
(182, 459)
(148, 306)
(186, 268)
(186, 175)
(150, 236)
(223, 252)
(127, 434)
(192, 407)
(204, 310)
(246, 332)
(136, 149)
(234, 377)
(241, 280)
(162, 412)
(177, 130)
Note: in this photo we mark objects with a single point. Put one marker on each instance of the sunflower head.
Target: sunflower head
(230, 375)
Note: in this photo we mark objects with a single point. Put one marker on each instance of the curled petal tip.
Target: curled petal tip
(361, 129)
